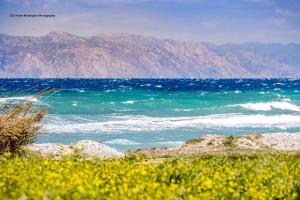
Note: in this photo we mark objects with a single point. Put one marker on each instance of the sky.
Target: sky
(214, 21)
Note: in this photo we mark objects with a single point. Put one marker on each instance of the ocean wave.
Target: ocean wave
(122, 142)
(170, 143)
(128, 102)
(18, 99)
(75, 90)
(183, 110)
(267, 106)
(141, 123)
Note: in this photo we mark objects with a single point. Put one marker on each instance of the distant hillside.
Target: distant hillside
(131, 56)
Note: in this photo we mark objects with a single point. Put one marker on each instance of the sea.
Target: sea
(138, 113)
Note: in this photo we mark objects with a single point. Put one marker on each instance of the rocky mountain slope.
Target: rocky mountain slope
(132, 56)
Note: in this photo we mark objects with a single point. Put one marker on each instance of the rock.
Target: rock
(86, 148)
(93, 148)
(50, 149)
(282, 141)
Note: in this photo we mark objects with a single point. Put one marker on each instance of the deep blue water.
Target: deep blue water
(131, 113)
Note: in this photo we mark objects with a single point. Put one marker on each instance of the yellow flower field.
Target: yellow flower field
(259, 176)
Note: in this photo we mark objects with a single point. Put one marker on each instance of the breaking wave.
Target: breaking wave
(122, 142)
(18, 99)
(140, 123)
(267, 106)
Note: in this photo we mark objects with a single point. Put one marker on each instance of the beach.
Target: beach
(207, 144)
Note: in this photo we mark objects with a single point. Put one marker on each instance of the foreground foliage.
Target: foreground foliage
(271, 176)
(19, 122)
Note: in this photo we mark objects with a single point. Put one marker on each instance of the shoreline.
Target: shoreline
(206, 144)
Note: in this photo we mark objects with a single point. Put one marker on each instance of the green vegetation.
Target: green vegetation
(211, 142)
(229, 141)
(195, 140)
(19, 124)
(255, 176)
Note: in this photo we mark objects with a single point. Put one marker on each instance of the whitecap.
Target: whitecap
(286, 99)
(119, 124)
(183, 110)
(22, 98)
(267, 106)
(128, 102)
(279, 84)
(122, 142)
(74, 103)
(106, 91)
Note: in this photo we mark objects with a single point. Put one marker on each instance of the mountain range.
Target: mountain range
(61, 55)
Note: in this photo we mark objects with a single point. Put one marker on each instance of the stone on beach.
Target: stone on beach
(282, 141)
(86, 148)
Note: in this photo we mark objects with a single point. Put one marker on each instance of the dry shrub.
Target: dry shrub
(19, 124)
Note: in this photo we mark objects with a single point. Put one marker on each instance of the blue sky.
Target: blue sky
(216, 21)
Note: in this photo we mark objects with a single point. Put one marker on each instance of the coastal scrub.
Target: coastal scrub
(19, 123)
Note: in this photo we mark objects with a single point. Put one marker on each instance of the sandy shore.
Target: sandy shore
(221, 144)
(203, 144)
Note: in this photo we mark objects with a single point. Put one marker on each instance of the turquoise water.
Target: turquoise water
(142, 113)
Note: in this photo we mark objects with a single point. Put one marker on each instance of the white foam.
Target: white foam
(22, 98)
(183, 110)
(145, 123)
(170, 143)
(129, 102)
(122, 142)
(109, 90)
(267, 106)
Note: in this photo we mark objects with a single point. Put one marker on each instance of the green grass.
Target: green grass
(195, 140)
(211, 142)
(229, 141)
(252, 176)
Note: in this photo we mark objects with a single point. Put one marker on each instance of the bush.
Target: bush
(19, 125)
(195, 140)
(229, 141)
